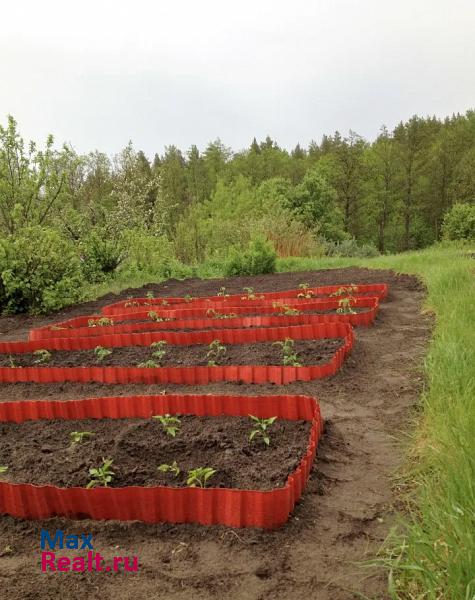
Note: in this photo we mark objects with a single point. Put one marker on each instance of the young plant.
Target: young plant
(77, 437)
(42, 357)
(261, 426)
(306, 292)
(345, 290)
(250, 294)
(173, 468)
(164, 302)
(345, 305)
(102, 322)
(12, 363)
(154, 316)
(131, 303)
(212, 314)
(102, 476)
(222, 292)
(199, 477)
(216, 350)
(3, 469)
(285, 309)
(169, 423)
(187, 298)
(289, 356)
(148, 364)
(101, 353)
(150, 295)
(158, 350)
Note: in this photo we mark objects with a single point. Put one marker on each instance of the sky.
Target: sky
(98, 73)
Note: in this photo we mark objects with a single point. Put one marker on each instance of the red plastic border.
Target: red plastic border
(182, 375)
(210, 506)
(379, 290)
(77, 327)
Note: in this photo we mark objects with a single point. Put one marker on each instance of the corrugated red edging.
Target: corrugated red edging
(75, 327)
(379, 290)
(184, 375)
(209, 506)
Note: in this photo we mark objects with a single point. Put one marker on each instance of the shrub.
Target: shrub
(40, 271)
(101, 255)
(259, 257)
(459, 222)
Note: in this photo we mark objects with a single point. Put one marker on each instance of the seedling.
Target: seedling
(260, 430)
(216, 350)
(169, 423)
(173, 468)
(77, 437)
(42, 357)
(154, 316)
(306, 292)
(101, 353)
(199, 477)
(250, 294)
(212, 314)
(102, 322)
(102, 476)
(158, 350)
(222, 292)
(3, 469)
(148, 364)
(131, 303)
(346, 290)
(285, 309)
(12, 363)
(188, 298)
(164, 302)
(289, 356)
(345, 305)
(150, 295)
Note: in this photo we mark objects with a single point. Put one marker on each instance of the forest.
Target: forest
(68, 220)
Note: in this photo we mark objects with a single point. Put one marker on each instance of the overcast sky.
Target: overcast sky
(97, 73)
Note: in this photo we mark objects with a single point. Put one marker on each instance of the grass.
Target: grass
(431, 554)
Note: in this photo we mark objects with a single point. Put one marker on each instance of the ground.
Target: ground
(343, 517)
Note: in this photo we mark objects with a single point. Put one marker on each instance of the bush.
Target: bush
(101, 255)
(260, 257)
(459, 222)
(40, 271)
(350, 248)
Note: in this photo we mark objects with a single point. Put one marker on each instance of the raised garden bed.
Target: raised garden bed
(254, 484)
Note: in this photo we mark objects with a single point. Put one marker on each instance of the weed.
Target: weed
(199, 477)
(216, 350)
(102, 476)
(173, 468)
(43, 357)
(260, 430)
(169, 423)
(77, 437)
(289, 356)
(101, 353)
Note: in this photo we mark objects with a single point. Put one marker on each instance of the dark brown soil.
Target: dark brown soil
(41, 452)
(345, 513)
(310, 352)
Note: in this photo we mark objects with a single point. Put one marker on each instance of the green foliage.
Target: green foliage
(285, 309)
(199, 477)
(42, 356)
(170, 424)
(3, 469)
(216, 350)
(289, 356)
(212, 314)
(306, 292)
(259, 257)
(101, 254)
(77, 437)
(101, 353)
(39, 272)
(345, 305)
(173, 468)
(148, 364)
(101, 476)
(351, 248)
(459, 222)
(158, 350)
(261, 427)
(101, 322)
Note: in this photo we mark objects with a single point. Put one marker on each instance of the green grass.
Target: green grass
(431, 555)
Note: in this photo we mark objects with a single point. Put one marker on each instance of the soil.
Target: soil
(344, 515)
(41, 452)
(310, 352)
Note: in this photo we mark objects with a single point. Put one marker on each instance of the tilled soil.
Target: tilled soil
(344, 515)
(309, 352)
(42, 452)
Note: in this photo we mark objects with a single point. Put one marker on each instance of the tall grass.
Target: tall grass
(431, 556)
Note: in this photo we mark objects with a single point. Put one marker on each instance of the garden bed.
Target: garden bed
(254, 484)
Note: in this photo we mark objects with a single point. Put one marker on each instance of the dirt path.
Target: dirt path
(342, 518)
